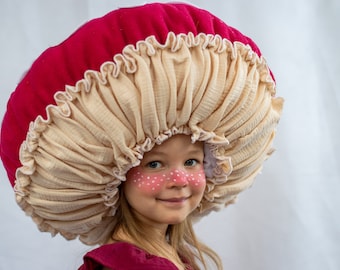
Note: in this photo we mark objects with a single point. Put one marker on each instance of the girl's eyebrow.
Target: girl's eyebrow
(195, 151)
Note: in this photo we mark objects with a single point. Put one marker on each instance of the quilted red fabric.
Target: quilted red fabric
(124, 256)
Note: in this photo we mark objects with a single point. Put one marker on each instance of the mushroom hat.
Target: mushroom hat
(89, 108)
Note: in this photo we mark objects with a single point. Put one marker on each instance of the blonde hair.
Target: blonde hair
(180, 236)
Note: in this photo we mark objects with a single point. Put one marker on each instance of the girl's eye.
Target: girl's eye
(154, 165)
(191, 162)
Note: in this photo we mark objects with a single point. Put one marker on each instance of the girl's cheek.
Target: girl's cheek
(197, 180)
(146, 182)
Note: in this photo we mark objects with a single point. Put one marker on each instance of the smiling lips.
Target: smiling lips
(174, 200)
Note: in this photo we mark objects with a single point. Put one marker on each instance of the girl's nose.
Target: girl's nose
(177, 178)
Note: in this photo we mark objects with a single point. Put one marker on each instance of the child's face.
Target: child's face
(169, 183)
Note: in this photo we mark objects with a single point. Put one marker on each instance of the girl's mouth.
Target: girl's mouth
(174, 200)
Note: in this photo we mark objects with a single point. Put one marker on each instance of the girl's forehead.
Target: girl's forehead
(179, 141)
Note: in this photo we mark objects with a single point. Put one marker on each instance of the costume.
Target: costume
(89, 108)
(124, 256)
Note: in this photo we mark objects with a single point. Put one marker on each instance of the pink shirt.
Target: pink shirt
(124, 256)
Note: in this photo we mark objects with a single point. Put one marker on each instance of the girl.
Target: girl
(135, 149)
(154, 214)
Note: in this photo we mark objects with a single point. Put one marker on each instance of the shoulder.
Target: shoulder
(121, 256)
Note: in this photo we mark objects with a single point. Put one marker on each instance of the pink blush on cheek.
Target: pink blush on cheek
(197, 179)
(147, 182)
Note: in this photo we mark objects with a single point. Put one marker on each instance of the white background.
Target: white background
(290, 218)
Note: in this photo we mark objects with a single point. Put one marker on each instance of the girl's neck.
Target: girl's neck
(154, 235)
